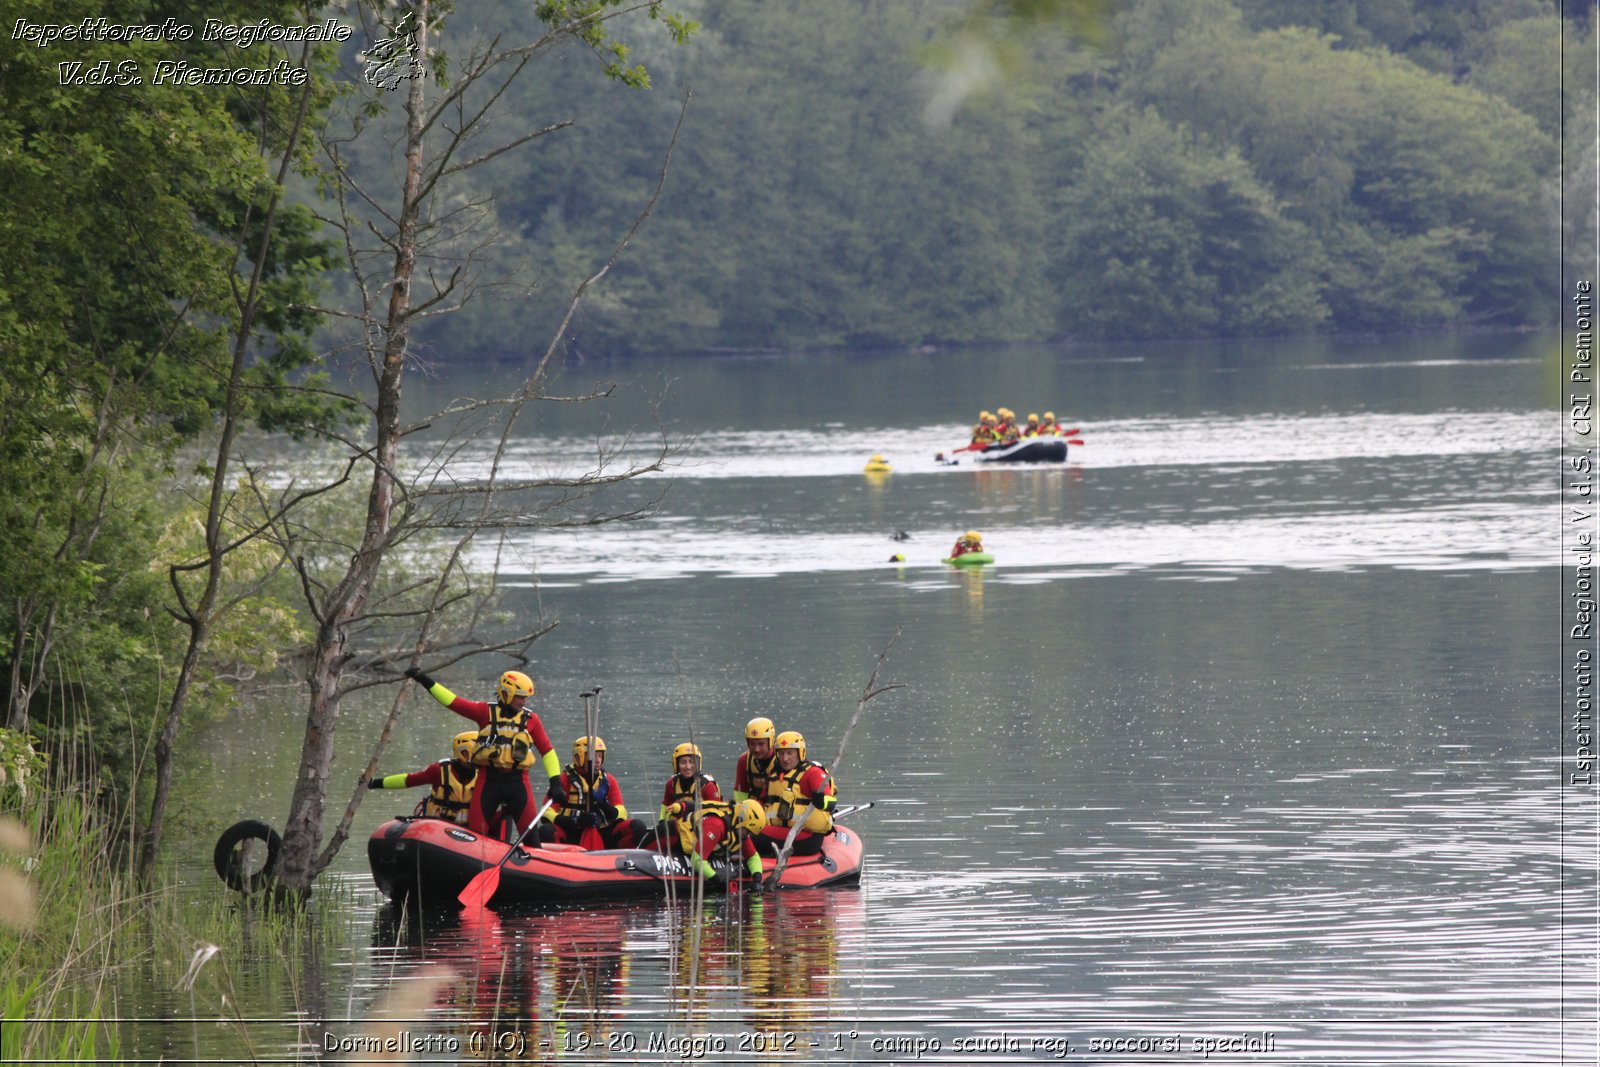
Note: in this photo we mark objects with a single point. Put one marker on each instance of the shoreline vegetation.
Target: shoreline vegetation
(1341, 173)
(76, 923)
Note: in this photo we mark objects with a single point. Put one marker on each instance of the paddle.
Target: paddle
(485, 882)
(590, 839)
(1074, 440)
(851, 809)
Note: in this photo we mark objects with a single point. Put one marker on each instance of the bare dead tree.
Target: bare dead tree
(417, 495)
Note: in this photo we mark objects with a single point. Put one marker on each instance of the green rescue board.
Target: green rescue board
(971, 559)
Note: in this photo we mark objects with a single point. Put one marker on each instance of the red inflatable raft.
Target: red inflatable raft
(432, 860)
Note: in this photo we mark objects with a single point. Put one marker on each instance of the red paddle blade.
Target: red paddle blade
(1075, 431)
(481, 888)
(590, 839)
(1074, 440)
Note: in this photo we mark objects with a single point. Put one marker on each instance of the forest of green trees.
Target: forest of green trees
(1202, 167)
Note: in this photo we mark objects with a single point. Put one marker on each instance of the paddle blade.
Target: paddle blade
(1074, 440)
(481, 888)
(1075, 431)
(590, 839)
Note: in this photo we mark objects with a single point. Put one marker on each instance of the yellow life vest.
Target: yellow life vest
(685, 794)
(784, 799)
(688, 835)
(578, 790)
(689, 828)
(451, 798)
(758, 773)
(504, 742)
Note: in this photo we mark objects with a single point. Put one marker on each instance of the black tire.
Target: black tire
(233, 861)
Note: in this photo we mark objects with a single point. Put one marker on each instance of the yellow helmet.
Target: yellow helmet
(1050, 415)
(750, 816)
(1032, 417)
(985, 415)
(580, 748)
(973, 536)
(791, 739)
(514, 684)
(759, 727)
(1007, 413)
(463, 744)
(685, 749)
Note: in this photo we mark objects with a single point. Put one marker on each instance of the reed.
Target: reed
(64, 917)
(80, 936)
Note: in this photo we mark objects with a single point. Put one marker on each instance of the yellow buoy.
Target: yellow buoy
(877, 465)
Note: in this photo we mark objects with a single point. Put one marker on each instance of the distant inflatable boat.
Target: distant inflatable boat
(1028, 450)
(432, 860)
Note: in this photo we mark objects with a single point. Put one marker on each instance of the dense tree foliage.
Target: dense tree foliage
(1168, 233)
(131, 213)
(1208, 167)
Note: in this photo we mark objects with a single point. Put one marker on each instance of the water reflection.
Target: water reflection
(750, 972)
(527, 986)
(792, 959)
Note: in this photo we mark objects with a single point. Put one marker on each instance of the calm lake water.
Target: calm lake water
(1248, 737)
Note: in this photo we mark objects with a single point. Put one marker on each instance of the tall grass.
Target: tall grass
(59, 961)
(81, 940)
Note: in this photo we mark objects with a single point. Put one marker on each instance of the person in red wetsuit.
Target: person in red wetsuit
(754, 768)
(696, 822)
(1005, 431)
(971, 541)
(508, 736)
(799, 789)
(453, 781)
(678, 798)
(592, 802)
